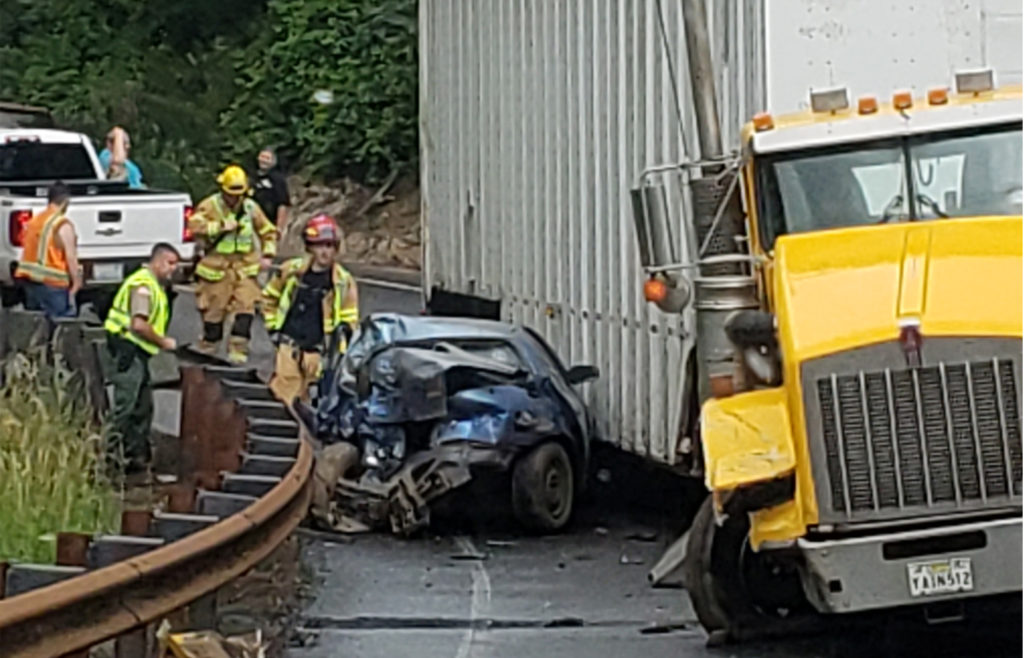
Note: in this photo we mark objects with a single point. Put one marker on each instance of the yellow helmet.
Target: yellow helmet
(233, 180)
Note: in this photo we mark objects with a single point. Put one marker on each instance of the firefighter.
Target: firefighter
(136, 330)
(229, 223)
(310, 299)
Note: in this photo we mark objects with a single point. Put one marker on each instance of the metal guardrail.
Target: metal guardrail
(235, 440)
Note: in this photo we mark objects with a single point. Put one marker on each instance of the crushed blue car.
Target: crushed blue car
(433, 402)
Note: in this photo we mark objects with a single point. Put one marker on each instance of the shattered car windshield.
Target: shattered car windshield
(975, 172)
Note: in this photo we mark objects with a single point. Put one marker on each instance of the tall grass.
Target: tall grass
(51, 461)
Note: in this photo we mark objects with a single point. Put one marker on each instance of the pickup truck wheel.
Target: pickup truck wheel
(733, 589)
(9, 297)
(543, 488)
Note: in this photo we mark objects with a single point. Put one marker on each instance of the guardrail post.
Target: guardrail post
(193, 406)
(72, 551)
(182, 498)
(135, 522)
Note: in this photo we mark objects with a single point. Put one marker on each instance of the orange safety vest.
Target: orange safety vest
(41, 260)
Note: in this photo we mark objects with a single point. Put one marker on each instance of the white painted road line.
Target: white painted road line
(480, 602)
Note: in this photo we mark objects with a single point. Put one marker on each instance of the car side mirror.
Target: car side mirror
(582, 374)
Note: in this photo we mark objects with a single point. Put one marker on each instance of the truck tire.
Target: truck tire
(10, 296)
(543, 488)
(735, 591)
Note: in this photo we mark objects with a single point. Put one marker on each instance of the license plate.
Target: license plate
(940, 577)
(107, 271)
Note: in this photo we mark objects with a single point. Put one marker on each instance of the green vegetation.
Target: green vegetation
(51, 466)
(198, 83)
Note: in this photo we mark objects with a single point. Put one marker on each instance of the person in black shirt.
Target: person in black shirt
(270, 189)
(311, 305)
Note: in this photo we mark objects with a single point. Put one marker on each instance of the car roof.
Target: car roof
(401, 327)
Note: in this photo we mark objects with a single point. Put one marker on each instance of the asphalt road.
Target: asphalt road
(485, 591)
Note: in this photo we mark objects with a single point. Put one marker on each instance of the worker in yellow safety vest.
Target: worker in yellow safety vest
(136, 330)
(310, 299)
(229, 224)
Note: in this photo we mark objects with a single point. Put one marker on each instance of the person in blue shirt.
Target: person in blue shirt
(124, 169)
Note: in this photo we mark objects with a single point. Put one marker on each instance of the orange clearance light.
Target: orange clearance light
(867, 105)
(938, 96)
(902, 100)
(655, 290)
(722, 386)
(763, 121)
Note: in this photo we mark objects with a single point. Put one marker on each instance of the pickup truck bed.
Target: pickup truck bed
(117, 226)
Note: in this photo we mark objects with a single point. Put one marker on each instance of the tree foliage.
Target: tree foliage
(199, 83)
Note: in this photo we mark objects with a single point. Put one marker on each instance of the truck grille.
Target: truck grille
(946, 436)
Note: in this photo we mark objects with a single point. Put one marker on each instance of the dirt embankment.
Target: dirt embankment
(380, 226)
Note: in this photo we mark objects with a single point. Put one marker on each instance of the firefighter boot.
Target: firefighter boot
(238, 350)
(238, 342)
(213, 332)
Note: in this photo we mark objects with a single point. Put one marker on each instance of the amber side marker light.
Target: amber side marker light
(867, 105)
(902, 100)
(655, 290)
(763, 121)
(938, 96)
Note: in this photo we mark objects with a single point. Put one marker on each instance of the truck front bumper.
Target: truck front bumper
(865, 573)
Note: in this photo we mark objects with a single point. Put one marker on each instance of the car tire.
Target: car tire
(543, 488)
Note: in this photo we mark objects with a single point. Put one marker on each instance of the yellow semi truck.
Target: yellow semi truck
(861, 433)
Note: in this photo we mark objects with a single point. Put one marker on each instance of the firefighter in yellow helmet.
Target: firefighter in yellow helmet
(309, 306)
(239, 241)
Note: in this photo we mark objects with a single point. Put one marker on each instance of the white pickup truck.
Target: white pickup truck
(117, 226)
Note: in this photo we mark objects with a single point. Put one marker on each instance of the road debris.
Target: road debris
(209, 644)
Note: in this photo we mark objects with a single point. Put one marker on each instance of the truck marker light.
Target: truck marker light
(722, 386)
(867, 105)
(763, 121)
(938, 96)
(655, 290)
(902, 100)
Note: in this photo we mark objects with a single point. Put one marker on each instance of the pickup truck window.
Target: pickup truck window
(34, 161)
(962, 173)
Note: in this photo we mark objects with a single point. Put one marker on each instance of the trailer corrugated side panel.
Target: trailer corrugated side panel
(537, 116)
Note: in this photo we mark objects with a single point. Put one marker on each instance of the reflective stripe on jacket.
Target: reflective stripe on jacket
(119, 319)
(280, 293)
(207, 222)
(42, 260)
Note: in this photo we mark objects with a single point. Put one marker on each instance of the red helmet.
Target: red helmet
(321, 230)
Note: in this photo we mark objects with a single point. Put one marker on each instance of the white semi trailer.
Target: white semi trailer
(537, 118)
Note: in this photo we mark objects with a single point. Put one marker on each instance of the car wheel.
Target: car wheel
(543, 488)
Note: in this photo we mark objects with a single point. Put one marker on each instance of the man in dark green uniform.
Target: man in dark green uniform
(136, 330)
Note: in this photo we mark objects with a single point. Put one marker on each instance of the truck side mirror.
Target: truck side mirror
(658, 245)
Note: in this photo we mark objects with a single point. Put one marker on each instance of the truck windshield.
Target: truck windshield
(34, 161)
(965, 173)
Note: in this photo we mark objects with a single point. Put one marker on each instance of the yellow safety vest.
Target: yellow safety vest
(291, 273)
(119, 319)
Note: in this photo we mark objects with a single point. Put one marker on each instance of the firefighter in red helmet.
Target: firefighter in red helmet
(304, 304)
